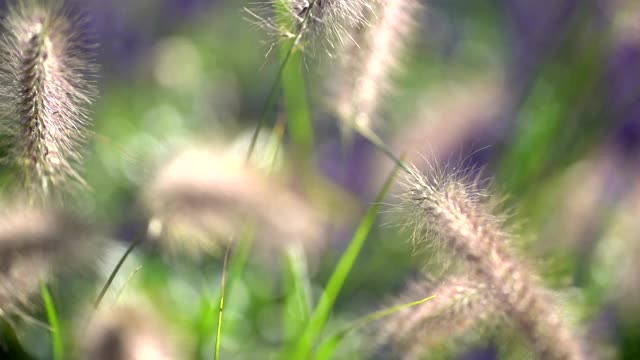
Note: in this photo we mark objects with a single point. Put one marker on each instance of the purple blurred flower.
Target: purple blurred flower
(126, 30)
(623, 101)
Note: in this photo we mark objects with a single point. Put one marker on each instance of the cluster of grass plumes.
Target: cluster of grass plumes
(453, 209)
(209, 201)
(44, 89)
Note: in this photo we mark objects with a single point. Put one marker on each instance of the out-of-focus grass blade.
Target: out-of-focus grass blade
(296, 106)
(302, 133)
(294, 93)
(328, 347)
(205, 325)
(297, 306)
(325, 305)
(10, 344)
(54, 324)
(557, 121)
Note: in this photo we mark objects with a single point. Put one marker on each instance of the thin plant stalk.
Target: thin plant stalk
(52, 316)
(236, 263)
(375, 140)
(327, 348)
(126, 283)
(115, 271)
(221, 307)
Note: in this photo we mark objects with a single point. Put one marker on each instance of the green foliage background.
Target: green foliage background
(206, 80)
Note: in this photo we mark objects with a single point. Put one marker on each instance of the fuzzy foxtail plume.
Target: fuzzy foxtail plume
(458, 213)
(45, 87)
(373, 60)
(461, 304)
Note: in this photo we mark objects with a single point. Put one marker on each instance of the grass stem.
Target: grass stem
(221, 307)
(52, 316)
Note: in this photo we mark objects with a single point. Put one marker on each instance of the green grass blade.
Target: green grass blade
(296, 105)
(221, 307)
(297, 308)
(287, 56)
(9, 343)
(52, 317)
(328, 347)
(321, 313)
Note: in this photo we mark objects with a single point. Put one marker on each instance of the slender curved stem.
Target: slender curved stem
(375, 140)
(115, 271)
(221, 308)
(328, 346)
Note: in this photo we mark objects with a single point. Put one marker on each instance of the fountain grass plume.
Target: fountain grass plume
(462, 304)
(45, 87)
(453, 208)
(369, 64)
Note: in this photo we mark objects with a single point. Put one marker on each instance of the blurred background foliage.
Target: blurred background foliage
(544, 96)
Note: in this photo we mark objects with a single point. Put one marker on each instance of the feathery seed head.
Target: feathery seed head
(323, 24)
(44, 88)
(369, 64)
(36, 244)
(461, 304)
(457, 212)
(201, 199)
(430, 197)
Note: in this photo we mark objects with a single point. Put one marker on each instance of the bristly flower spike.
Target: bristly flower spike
(325, 24)
(45, 87)
(462, 304)
(368, 65)
(456, 211)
